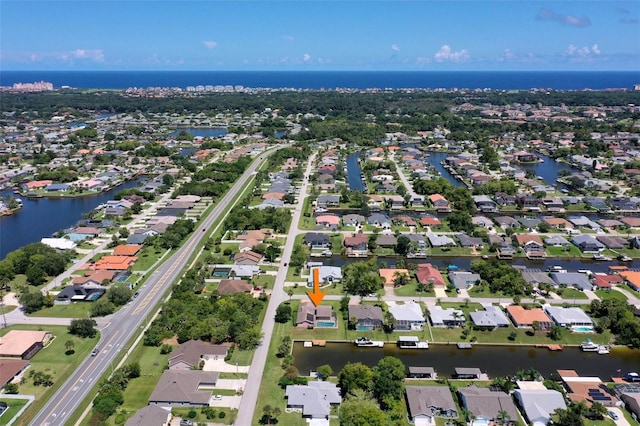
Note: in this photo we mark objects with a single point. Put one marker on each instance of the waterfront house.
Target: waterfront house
(328, 200)
(587, 244)
(529, 222)
(326, 275)
(314, 399)
(356, 245)
(352, 220)
(485, 204)
(504, 199)
(483, 221)
(525, 318)
(57, 187)
(605, 281)
(568, 317)
(539, 405)
(389, 274)
(404, 220)
(557, 222)
(367, 317)
(526, 201)
(422, 372)
(190, 354)
(417, 240)
(463, 279)
(425, 403)
(439, 202)
(310, 315)
(379, 220)
(488, 406)
(427, 273)
(184, 388)
(328, 221)
(535, 276)
(614, 243)
(632, 222)
(490, 318)
(469, 242)
(556, 241)
(407, 317)
(440, 240)
(449, 317)
(386, 241)
(430, 221)
(317, 241)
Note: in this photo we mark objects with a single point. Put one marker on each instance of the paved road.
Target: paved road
(126, 322)
(252, 388)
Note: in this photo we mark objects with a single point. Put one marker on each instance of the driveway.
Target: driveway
(622, 421)
(232, 384)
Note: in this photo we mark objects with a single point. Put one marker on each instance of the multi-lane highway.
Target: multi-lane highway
(126, 322)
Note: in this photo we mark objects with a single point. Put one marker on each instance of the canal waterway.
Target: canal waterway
(496, 361)
(435, 159)
(204, 132)
(354, 173)
(464, 262)
(41, 217)
(548, 169)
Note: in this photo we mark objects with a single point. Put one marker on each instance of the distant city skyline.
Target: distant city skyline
(310, 35)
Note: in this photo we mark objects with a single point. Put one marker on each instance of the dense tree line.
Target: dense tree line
(459, 197)
(229, 318)
(500, 277)
(241, 218)
(213, 180)
(618, 317)
(35, 260)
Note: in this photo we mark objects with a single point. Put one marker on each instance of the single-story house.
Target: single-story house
(485, 204)
(440, 240)
(427, 273)
(367, 317)
(352, 219)
(386, 240)
(587, 244)
(525, 318)
(572, 279)
(328, 221)
(10, 368)
(446, 317)
(247, 258)
(632, 278)
(425, 403)
(469, 242)
(491, 317)
(309, 315)
(234, 286)
(379, 220)
(189, 354)
(556, 241)
(614, 243)
(568, 317)
(463, 279)
(184, 388)
(79, 292)
(317, 240)
(115, 263)
(150, 415)
(326, 275)
(487, 406)
(407, 317)
(23, 344)
(59, 243)
(314, 399)
(538, 405)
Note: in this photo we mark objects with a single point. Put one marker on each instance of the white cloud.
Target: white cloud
(582, 52)
(423, 60)
(95, 55)
(445, 54)
(306, 57)
(210, 44)
(395, 47)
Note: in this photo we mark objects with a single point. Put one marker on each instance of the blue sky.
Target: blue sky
(320, 35)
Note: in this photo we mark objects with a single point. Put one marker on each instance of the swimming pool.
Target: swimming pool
(325, 324)
(582, 329)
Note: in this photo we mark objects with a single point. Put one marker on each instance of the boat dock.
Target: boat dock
(411, 342)
(462, 345)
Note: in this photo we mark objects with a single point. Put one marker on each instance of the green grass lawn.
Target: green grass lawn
(571, 293)
(610, 294)
(14, 405)
(228, 418)
(17, 281)
(52, 360)
(263, 280)
(412, 290)
(72, 310)
(146, 258)
(270, 393)
(568, 251)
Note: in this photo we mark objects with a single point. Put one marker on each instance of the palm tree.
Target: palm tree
(503, 417)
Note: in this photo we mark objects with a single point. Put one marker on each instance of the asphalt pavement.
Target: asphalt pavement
(123, 325)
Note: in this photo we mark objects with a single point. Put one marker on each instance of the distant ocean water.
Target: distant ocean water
(523, 80)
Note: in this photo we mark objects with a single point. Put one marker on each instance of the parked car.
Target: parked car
(95, 352)
(185, 422)
(613, 415)
(217, 397)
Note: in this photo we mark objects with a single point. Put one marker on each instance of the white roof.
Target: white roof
(59, 243)
(408, 312)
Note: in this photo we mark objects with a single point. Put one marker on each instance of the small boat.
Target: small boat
(366, 342)
(625, 258)
(589, 346)
(601, 257)
(632, 377)
(411, 342)
(556, 269)
(603, 349)
(462, 345)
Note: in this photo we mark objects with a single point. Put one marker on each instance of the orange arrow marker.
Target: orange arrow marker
(317, 296)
